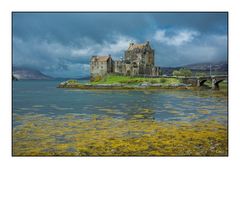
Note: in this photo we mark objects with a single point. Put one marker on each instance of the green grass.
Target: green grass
(222, 85)
(115, 79)
(73, 81)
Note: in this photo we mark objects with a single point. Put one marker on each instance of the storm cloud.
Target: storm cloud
(61, 44)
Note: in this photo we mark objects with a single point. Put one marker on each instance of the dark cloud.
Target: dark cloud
(62, 43)
(203, 22)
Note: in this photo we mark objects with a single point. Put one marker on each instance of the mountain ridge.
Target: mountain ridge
(204, 67)
(29, 74)
(22, 73)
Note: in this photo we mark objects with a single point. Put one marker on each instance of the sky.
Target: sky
(61, 44)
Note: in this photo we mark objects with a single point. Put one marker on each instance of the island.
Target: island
(127, 82)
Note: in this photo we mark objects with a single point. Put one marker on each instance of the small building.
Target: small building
(100, 67)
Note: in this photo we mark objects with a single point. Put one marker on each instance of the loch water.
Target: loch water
(43, 97)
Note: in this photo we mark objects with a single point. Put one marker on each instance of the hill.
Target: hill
(220, 68)
(29, 74)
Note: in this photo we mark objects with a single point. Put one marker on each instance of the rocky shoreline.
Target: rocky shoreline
(144, 85)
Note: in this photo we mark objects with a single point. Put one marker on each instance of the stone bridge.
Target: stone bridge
(198, 81)
(215, 80)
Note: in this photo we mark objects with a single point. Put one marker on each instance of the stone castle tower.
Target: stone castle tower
(140, 57)
(138, 60)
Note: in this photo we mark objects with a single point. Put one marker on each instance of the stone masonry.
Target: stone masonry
(138, 60)
(100, 67)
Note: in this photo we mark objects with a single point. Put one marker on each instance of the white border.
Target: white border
(119, 183)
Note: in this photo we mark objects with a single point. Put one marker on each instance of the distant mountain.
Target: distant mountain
(220, 68)
(73, 78)
(26, 73)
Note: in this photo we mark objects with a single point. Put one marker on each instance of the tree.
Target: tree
(176, 73)
(160, 72)
(182, 72)
(201, 74)
(185, 72)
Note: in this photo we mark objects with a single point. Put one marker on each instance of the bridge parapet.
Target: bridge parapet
(199, 81)
(215, 80)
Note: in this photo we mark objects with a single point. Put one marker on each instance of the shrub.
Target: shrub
(163, 80)
(201, 74)
(153, 81)
(176, 73)
(96, 78)
(182, 72)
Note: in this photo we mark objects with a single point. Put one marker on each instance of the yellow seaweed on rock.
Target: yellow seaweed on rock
(204, 111)
(106, 136)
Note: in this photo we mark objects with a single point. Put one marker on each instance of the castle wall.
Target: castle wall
(119, 67)
(110, 65)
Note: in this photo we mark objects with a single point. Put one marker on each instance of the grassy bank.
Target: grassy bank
(115, 79)
(128, 82)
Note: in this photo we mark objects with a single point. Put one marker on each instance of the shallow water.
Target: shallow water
(52, 121)
(42, 97)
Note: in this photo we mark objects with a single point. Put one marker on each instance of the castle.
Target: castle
(138, 61)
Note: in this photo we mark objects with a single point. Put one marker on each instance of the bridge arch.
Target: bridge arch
(200, 82)
(215, 80)
(215, 83)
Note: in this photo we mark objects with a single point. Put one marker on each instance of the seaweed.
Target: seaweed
(94, 135)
